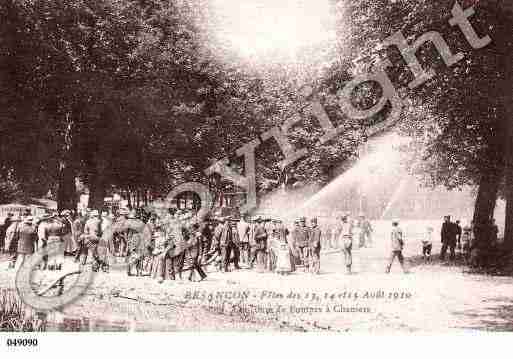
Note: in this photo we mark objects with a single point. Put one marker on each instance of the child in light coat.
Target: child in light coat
(427, 244)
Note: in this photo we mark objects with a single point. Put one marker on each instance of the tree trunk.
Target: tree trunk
(486, 199)
(483, 212)
(506, 9)
(66, 192)
(98, 185)
(97, 194)
(508, 223)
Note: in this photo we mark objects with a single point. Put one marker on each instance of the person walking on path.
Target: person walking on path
(161, 247)
(259, 246)
(397, 245)
(366, 231)
(314, 247)
(346, 240)
(90, 240)
(11, 240)
(192, 255)
(27, 241)
(3, 230)
(228, 246)
(243, 229)
(300, 237)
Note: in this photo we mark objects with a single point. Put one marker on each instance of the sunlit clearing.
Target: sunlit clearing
(273, 28)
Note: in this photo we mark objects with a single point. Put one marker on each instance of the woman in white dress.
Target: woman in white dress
(281, 254)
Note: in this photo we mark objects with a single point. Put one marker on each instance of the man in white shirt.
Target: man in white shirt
(397, 245)
(346, 239)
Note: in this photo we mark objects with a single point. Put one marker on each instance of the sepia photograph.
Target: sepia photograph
(255, 166)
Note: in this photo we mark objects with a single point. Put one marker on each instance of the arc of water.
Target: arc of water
(402, 185)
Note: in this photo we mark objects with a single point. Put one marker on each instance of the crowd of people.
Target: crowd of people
(167, 246)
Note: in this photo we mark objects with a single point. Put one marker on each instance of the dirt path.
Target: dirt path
(434, 297)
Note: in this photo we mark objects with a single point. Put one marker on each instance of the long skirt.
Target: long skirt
(283, 260)
(315, 261)
(272, 260)
(159, 269)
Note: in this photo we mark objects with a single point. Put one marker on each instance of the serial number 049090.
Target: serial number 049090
(22, 342)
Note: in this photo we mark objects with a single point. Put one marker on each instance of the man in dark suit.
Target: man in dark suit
(258, 244)
(300, 237)
(448, 236)
(192, 254)
(3, 230)
(314, 247)
(228, 246)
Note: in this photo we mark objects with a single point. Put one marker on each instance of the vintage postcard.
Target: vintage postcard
(324, 166)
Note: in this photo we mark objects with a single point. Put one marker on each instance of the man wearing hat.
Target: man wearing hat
(346, 239)
(300, 238)
(161, 247)
(192, 255)
(448, 234)
(119, 242)
(70, 243)
(365, 230)
(77, 227)
(294, 251)
(259, 244)
(12, 238)
(53, 231)
(138, 240)
(90, 239)
(228, 246)
(397, 245)
(27, 240)
(3, 230)
(216, 234)
(314, 247)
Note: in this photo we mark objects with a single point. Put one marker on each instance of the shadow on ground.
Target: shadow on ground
(418, 261)
(496, 316)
